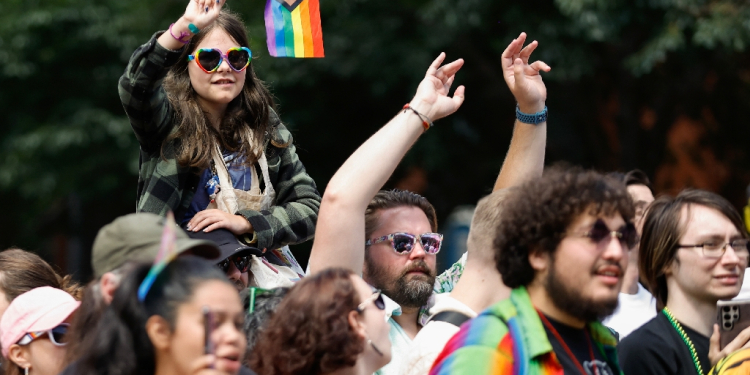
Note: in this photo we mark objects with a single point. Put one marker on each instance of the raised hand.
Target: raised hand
(523, 78)
(202, 13)
(432, 98)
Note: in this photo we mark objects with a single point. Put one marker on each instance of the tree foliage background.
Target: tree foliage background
(660, 85)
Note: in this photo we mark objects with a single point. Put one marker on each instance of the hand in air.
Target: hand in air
(432, 98)
(208, 220)
(523, 78)
(742, 341)
(202, 13)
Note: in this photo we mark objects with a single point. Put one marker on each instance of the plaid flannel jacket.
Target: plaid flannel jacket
(164, 185)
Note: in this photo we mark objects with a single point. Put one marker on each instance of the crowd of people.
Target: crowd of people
(567, 270)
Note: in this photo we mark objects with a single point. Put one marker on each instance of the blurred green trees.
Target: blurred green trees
(656, 84)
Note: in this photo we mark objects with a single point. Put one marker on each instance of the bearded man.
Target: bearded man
(562, 245)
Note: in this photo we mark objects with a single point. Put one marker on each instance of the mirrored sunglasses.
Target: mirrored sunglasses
(56, 335)
(209, 59)
(403, 243)
(242, 262)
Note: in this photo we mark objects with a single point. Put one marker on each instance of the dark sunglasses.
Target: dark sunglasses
(56, 335)
(242, 262)
(209, 59)
(627, 234)
(403, 243)
(376, 299)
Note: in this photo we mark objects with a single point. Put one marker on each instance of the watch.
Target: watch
(534, 119)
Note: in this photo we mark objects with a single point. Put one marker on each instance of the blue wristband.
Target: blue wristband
(193, 29)
(534, 119)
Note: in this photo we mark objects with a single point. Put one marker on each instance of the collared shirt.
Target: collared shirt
(401, 343)
(164, 185)
(509, 338)
(432, 338)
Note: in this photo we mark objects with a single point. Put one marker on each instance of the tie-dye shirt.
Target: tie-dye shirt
(509, 338)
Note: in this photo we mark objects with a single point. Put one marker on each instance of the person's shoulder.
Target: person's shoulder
(435, 333)
(653, 337)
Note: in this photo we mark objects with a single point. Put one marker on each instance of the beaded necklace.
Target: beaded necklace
(678, 327)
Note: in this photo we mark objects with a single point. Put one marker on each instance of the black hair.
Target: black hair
(119, 343)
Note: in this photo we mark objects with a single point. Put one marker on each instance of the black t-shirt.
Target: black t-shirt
(580, 343)
(657, 348)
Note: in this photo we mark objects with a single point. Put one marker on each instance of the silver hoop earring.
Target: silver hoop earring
(26, 371)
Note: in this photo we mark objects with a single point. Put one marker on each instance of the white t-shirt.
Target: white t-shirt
(431, 339)
(633, 311)
(745, 290)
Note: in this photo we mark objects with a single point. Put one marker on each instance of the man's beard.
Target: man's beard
(571, 301)
(407, 293)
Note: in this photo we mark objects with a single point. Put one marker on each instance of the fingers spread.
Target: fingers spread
(450, 70)
(458, 96)
(436, 64)
(526, 51)
(540, 65)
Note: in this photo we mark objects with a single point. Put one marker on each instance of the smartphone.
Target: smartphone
(208, 327)
(733, 317)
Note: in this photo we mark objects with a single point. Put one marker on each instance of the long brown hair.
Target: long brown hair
(249, 110)
(22, 271)
(662, 229)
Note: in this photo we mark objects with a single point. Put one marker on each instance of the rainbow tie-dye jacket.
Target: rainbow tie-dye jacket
(509, 338)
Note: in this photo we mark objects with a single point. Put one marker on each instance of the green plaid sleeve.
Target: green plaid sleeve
(143, 96)
(292, 219)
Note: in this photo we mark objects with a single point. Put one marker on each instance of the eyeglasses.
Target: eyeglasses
(716, 249)
(376, 299)
(403, 243)
(600, 231)
(56, 335)
(209, 59)
(242, 262)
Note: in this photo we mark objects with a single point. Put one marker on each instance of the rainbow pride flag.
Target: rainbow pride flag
(294, 30)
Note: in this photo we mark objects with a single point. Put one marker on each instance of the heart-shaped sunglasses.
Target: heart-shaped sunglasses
(209, 59)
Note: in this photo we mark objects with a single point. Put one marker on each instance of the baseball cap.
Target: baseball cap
(137, 237)
(226, 241)
(39, 309)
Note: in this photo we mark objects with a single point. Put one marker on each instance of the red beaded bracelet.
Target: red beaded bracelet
(426, 123)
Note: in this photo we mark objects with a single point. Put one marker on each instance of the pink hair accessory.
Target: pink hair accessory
(183, 35)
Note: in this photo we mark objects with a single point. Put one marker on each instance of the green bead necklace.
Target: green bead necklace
(678, 327)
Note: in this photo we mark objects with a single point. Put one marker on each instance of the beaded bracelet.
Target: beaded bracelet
(183, 35)
(426, 123)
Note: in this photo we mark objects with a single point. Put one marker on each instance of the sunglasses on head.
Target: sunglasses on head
(209, 59)
(242, 262)
(403, 243)
(627, 234)
(56, 335)
(376, 299)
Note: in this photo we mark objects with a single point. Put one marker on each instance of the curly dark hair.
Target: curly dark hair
(265, 305)
(539, 211)
(310, 333)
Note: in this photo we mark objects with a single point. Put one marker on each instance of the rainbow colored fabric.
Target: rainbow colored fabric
(509, 338)
(294, 30)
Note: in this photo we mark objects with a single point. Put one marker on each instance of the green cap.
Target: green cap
(137, 237)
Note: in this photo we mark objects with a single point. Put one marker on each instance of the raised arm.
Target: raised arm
(525, 158)
(340, 231)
